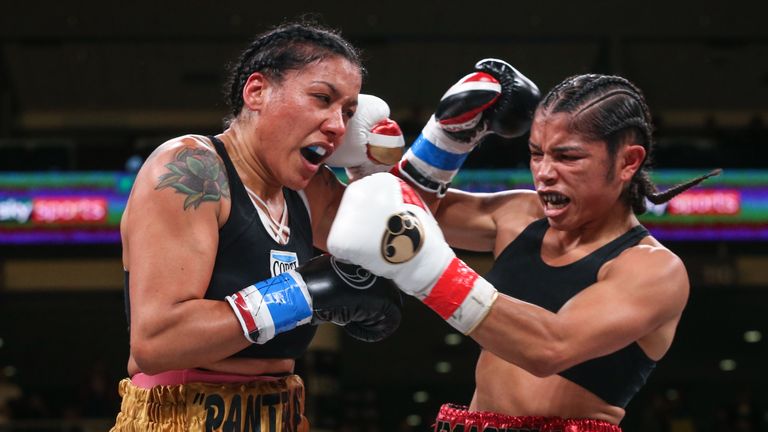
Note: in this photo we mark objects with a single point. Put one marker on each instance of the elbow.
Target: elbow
(545, 361)
(147, 357)
(541, 370)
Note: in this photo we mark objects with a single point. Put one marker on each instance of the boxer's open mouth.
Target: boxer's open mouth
(314, 154)
(554, 200)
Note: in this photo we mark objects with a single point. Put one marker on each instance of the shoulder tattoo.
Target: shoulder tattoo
(197, 173)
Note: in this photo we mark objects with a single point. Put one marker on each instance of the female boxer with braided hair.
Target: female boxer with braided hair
(615, 125)
(581, 301)
(218, 238)
(591, 301)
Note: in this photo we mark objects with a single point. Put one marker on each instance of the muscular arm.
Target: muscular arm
(170, 236)
(469, 221)
(485, 222)
(640, 293)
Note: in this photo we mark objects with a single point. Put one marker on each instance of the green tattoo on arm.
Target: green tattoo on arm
(198, 174)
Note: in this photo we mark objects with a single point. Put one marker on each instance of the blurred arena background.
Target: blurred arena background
(89, 88)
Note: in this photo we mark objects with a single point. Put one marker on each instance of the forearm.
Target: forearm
(186, 335)
(524, 334)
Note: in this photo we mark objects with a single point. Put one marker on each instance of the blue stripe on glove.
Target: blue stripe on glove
(284, 297)
(428, 152)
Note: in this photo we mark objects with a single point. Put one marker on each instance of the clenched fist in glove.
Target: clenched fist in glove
(495, 99)
(384, 226)
(372, 143)
(321, 290)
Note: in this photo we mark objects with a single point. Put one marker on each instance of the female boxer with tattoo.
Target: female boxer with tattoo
(581, 302)
(221, 289)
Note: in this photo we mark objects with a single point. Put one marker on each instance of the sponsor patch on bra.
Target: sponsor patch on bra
(282, 261)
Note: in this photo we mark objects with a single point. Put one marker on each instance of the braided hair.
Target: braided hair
(612, 109)
(284, 48)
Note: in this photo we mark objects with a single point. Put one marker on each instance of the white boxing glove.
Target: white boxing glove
(372, 142)
(383, 225)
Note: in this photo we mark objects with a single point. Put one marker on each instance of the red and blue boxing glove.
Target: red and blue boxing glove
(495, 99)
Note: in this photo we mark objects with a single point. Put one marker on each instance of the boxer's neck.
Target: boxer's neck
(256, 177)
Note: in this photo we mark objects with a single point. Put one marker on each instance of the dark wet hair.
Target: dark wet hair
(611, 109)
(284, 48)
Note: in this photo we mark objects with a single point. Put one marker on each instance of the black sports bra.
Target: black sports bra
(520, 272)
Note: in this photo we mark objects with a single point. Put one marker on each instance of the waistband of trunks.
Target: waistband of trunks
(267, 406)
(184, 376)
(457, 418)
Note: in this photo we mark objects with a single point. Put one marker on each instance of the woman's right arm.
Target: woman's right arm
(485, 222)
(170, 238)
(480, 222)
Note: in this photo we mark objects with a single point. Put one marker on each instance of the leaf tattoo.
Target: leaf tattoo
(197, 173)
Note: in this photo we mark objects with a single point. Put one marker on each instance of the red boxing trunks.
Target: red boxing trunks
(456, 418)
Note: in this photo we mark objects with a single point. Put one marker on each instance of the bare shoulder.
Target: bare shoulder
(177, 199)
(519, 209)
(170, 148)
(323, 192)
(190, 166)
(652, 268)
(322, 196)
(651, 251)
(324, 183)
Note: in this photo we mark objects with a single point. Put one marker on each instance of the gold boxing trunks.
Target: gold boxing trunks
(456, 418)
(274, 405)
